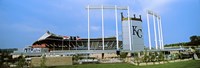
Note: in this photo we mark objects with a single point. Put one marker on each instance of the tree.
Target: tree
(146, 57)
(21, 61)
(43, 61)
(137, 60)
(156, 56)
(152, 57)
(161, 57)
(76, 57)
(194, 40)
(123, 54)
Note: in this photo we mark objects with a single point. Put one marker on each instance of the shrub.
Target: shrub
(123, 54)
(21, 61)
(43, 61)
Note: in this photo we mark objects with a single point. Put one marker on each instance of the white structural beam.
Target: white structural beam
(159, 36)
(161, 33)
(102, 24)
(88, 27)
(116, 25)
(155, 32)
(102, 8)
(129, 28)
(108, 7)
(159, 28)
(149, 32)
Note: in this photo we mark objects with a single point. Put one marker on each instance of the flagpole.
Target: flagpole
(69, 43)
(62, 44)
(76, 42)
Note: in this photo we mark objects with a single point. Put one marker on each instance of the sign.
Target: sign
(137, 32)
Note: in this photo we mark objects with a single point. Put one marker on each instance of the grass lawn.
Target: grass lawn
(183, 64)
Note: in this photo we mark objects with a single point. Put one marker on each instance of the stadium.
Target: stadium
(132, 41)
(57, 47)
(70, 45)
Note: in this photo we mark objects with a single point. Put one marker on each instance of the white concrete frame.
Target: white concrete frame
(159, 36)
(149, 34)
(129, 28)
(88, 27)
(102, 26)
(161, 33)
(102, 10)
(159, 28)
(155, 32)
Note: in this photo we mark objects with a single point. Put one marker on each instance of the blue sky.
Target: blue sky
(23, 21)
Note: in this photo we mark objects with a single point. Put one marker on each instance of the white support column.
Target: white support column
(88, 27)
(116, 24)
(161, 33)
(149, 32)
(129, 30)
(159, 38)
(155, 35)
(102, 26)
(102, 8)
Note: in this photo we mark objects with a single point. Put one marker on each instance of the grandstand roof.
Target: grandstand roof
(52, 40)
(51, 36)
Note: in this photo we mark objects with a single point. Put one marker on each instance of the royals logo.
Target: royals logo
(137, 32)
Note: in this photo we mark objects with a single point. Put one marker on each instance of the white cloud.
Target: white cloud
(95, 28)
(25, 28)
(159, 6)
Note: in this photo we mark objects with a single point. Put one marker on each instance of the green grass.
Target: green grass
(183, 64)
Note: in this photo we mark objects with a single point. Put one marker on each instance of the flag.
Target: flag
(66, 37)
(77, 38)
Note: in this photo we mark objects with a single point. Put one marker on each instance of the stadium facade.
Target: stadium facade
(51, 44)
(57, 42)
(54, 42)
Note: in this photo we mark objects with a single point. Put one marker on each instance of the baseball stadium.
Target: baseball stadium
(57, 48)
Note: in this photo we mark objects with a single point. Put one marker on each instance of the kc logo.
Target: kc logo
(136, 31)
